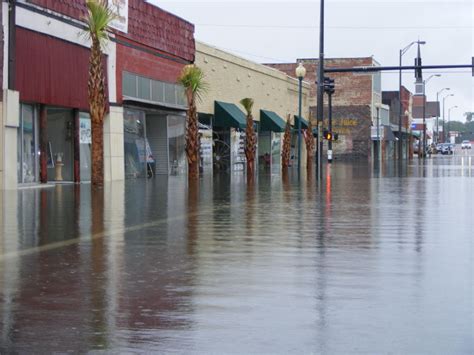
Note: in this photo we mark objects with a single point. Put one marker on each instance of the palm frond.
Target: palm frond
(247, 103)
(98, 20)
(192, 78)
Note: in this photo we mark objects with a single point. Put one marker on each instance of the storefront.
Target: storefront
(228, 126)
(270, 137)
(154, 143)
(64, 131)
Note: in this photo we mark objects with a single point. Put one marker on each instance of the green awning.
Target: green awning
(270, 121)
(304, 123)
(228, 115)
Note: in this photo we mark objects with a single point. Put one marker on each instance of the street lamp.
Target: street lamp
(449, 120)
(402, 52)
(437, 113)
(300, 73)
(424, 109)
(444, 120)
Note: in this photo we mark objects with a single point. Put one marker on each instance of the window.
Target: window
(155, 91)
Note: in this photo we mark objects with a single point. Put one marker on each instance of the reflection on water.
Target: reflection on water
(364, 260)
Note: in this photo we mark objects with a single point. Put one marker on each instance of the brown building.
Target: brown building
(353, 103)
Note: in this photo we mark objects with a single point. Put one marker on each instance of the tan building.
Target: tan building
(232, 78)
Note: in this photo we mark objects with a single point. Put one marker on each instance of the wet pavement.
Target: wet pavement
(366, 261)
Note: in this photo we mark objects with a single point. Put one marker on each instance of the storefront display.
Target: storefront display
(27, 146)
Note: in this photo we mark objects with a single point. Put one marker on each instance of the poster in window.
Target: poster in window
(120, 10)
(85, 135)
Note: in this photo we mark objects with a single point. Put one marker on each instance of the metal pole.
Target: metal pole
(424, 120)
(299, 124)
(330, 127)
(400, 139)
(320, 99)
(437, 118)
(449, 121)
(444, 121)
(378, 135)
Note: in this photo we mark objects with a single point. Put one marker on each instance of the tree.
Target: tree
(250, 138)
(97, 23)
(309, 140)
(286, 150)
(192, 79)
(468, 116)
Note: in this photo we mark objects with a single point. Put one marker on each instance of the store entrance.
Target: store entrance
(60, 136)
(154, 143)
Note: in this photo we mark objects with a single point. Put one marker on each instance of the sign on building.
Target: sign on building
(120, 9)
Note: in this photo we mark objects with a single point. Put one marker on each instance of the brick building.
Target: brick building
(390, 98)
(353, 103)
(45, 121)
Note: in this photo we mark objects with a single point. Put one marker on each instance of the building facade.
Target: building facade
(275, 94)
(391, 99)
(353, 103)
(45, 130)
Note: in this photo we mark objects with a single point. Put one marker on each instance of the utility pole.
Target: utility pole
(320, 86)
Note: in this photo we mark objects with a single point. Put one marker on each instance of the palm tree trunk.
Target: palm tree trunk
(286, 150)
(192, 141)
(309, 140)
(250, 146)
(97, 102)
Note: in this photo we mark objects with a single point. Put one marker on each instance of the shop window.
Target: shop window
(85, 141)
(170, 93)
(144, 91)
(158, 91)
(129, 84)
(27, 145)
(142, 88)
(134, 144)
(176, 144)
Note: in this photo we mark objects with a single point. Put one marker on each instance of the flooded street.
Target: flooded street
(367, 261)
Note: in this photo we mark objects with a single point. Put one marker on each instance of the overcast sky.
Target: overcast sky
(282, 31)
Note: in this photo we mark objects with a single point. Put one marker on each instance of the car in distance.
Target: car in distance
(466, 144)
(446, 149)
(438, 147)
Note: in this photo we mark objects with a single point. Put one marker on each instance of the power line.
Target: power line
(336, 27)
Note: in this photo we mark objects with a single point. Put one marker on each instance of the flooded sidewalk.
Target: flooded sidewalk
(366, 261)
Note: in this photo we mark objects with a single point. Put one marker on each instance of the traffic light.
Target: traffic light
(329, 86)
(330, 136)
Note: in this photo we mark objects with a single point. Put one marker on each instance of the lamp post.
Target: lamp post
(320, 92)
(424, 113)
(449, 120)
(444, 120)
(379, 143)
(402, 52)
(437, 113)
(300, 73)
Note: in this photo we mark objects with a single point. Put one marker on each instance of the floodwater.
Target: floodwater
(366, 261)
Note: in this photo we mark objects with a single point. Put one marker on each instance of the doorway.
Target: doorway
(60, 149)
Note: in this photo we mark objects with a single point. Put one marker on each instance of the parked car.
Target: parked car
(466, 144)
(438, 147)
(446, 149)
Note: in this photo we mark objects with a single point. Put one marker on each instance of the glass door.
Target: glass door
(134, 134)
(27, 145)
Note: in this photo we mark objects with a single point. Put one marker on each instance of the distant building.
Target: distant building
(391, 98)
(354, 103)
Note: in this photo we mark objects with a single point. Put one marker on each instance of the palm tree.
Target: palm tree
(286, 150)
(309, 140)
(97, 23)
(192, 79)
(250, 138)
